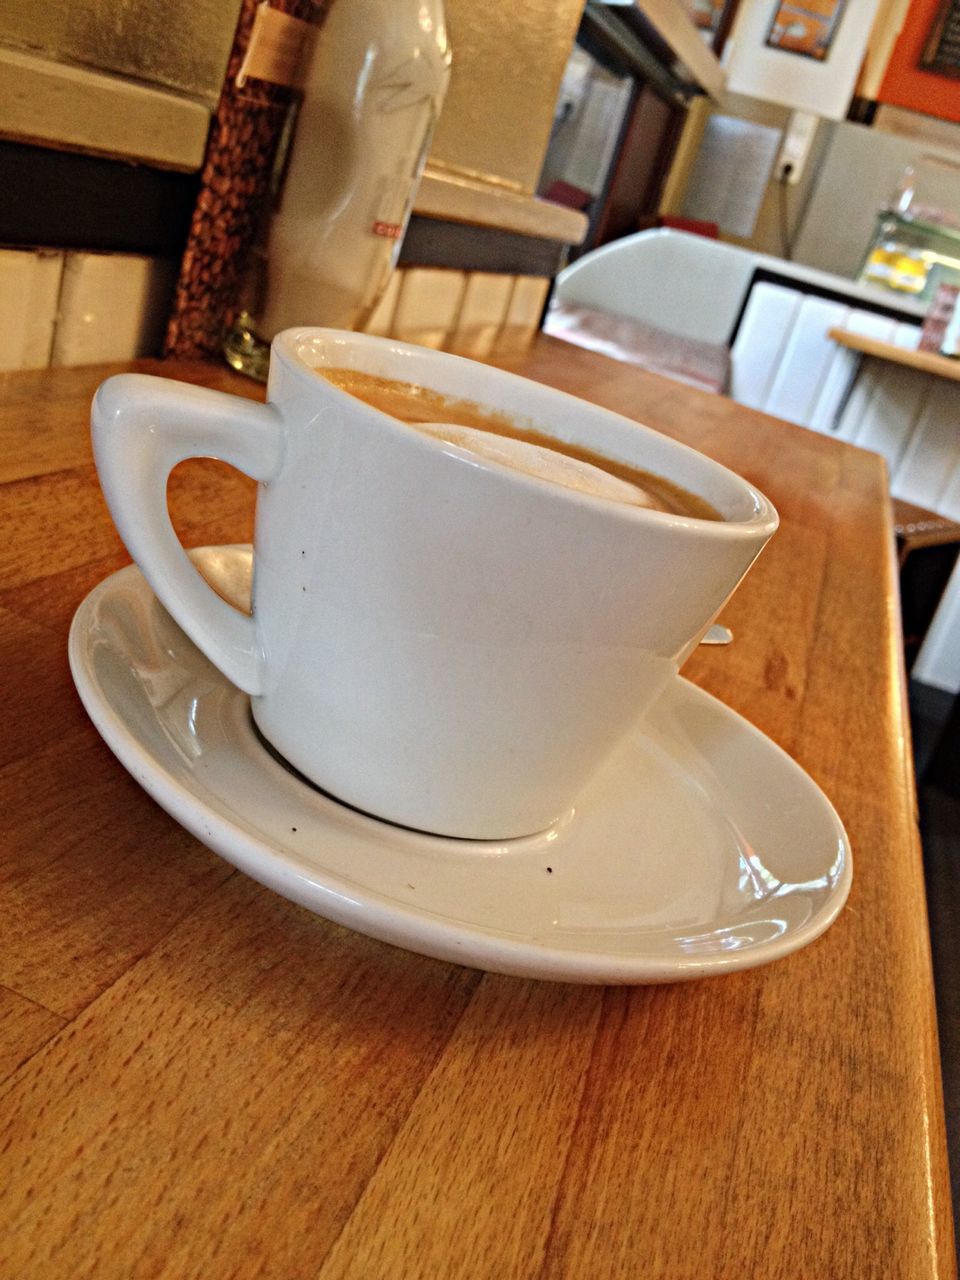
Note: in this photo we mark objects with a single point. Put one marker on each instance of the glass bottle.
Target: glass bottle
(342, 195)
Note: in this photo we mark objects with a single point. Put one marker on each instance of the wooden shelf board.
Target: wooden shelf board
(924, 361)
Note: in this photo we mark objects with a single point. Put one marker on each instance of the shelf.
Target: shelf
(924, 361)
(932, 230)
(457, 198)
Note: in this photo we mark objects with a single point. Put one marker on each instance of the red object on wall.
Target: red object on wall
(906, 83)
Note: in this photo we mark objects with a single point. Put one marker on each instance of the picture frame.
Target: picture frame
(806, 28)
(941, 50)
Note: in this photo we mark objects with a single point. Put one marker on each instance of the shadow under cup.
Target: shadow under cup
(452, 645)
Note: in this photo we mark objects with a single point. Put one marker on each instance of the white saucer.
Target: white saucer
(701, 848)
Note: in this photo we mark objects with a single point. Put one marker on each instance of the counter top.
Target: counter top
(198, 1077)
(457, 197)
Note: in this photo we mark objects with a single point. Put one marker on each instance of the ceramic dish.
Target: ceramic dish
(700, 848)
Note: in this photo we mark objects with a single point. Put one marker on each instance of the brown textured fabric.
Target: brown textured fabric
(244, 136)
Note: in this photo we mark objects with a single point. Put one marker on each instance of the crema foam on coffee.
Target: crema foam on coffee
(493, 434)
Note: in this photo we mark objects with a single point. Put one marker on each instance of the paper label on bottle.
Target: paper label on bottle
(275, 49)
(390, 207)
(391, 230)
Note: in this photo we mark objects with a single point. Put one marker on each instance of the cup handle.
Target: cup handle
(142, 427)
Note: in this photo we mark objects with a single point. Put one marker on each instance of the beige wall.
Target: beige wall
(178, 44)
(508, 58)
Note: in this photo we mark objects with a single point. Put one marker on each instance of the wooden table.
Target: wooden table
(200, 1079)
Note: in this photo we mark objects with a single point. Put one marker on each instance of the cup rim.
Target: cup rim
(763, 519)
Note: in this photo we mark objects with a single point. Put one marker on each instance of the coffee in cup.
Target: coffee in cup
(438, 637)
(499, 437)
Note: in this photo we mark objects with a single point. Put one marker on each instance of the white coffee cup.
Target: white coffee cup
(438, 638)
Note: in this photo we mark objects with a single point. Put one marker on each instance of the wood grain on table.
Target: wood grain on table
(198, 1078)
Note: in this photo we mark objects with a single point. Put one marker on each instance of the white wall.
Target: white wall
(794, 81)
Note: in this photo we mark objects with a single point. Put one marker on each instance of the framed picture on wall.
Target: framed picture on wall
(807, 27)
(941, 53)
